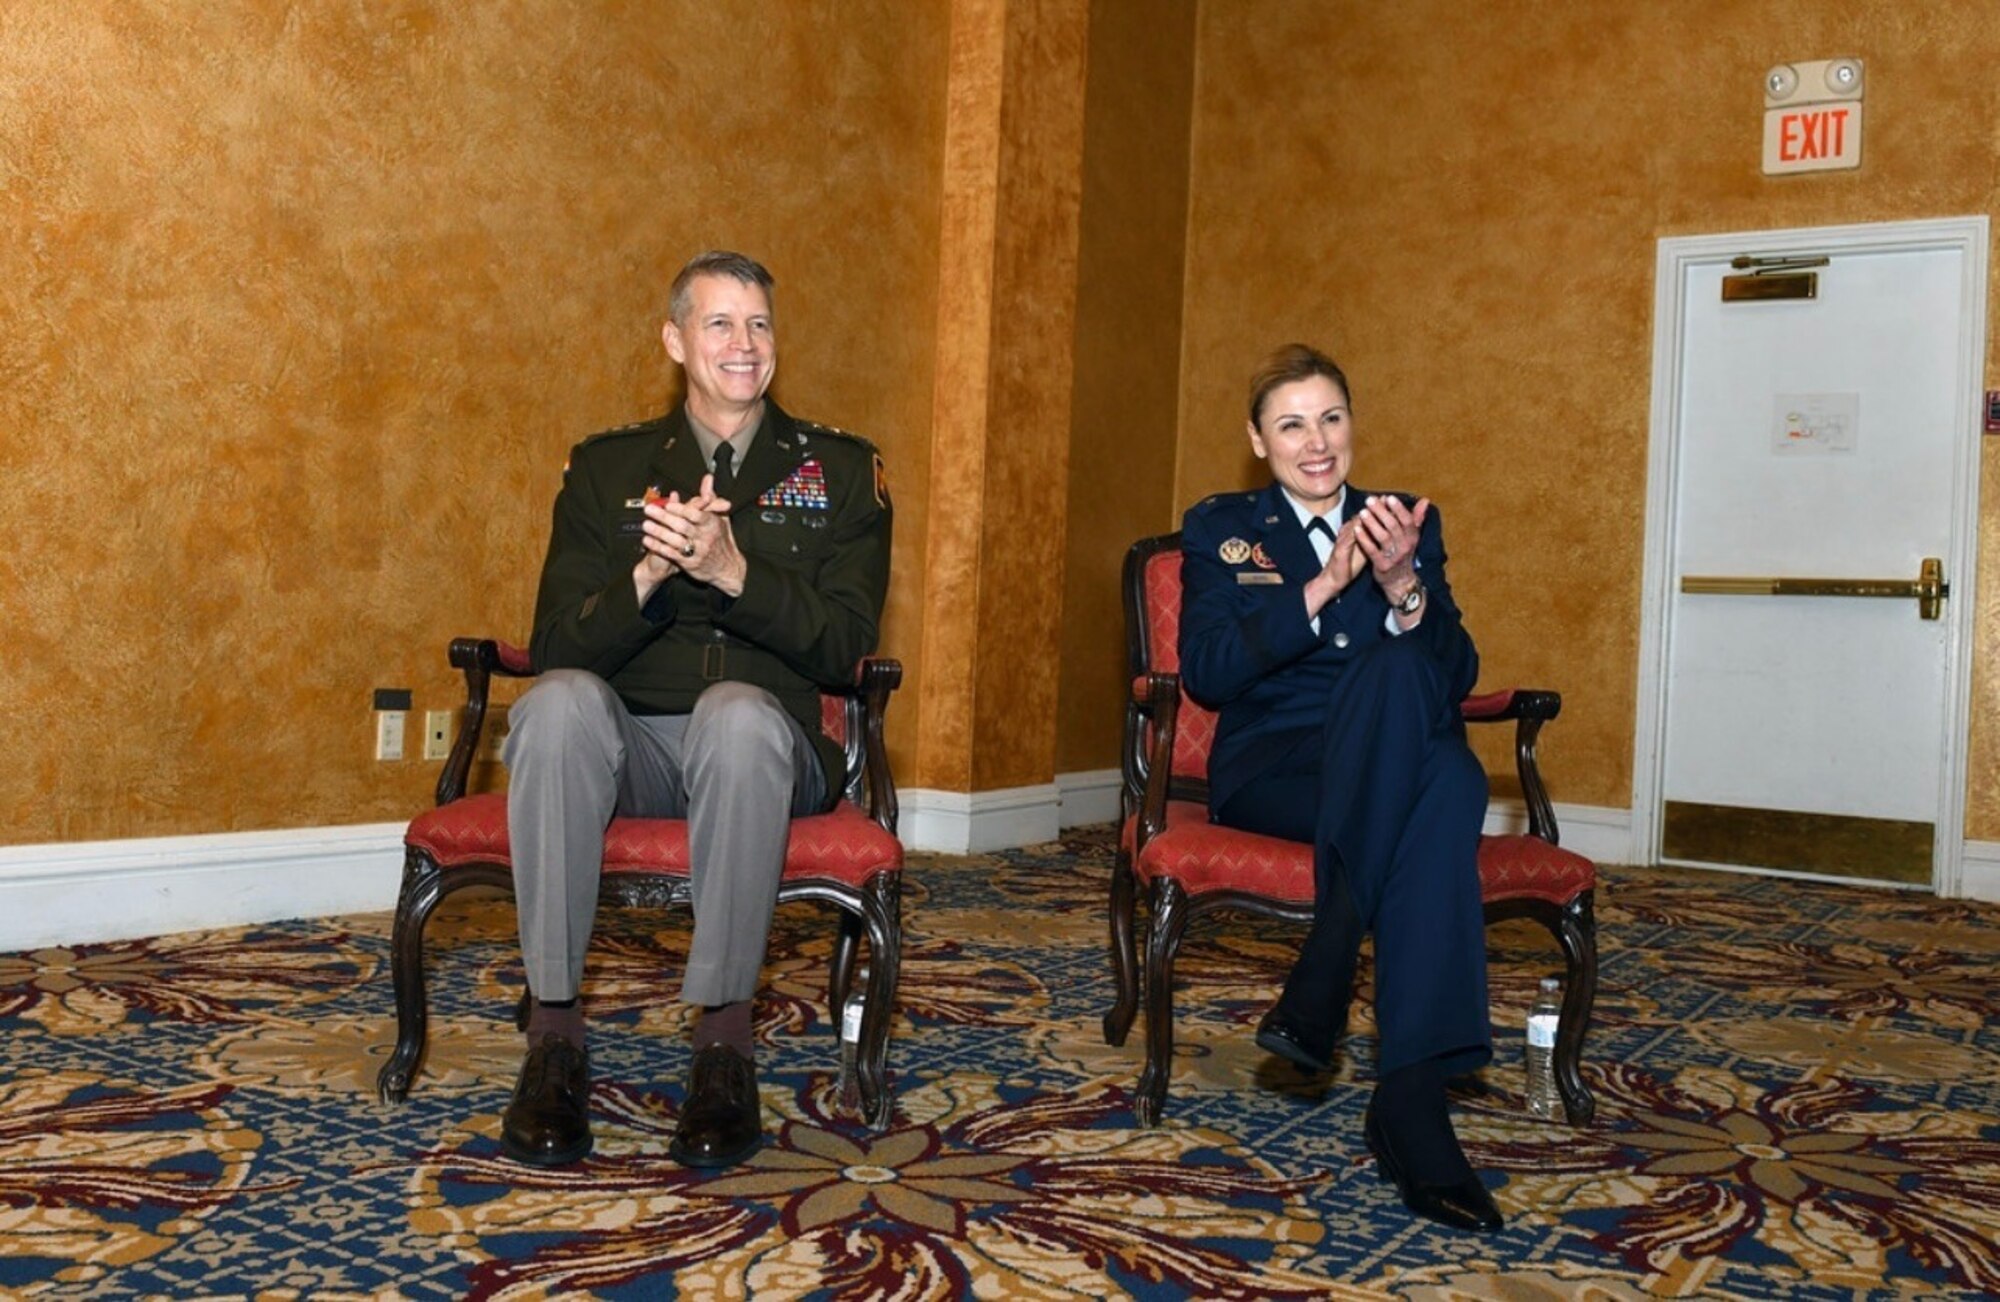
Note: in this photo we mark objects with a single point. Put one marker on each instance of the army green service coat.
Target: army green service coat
(812, 519)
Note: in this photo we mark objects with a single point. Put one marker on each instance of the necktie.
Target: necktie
(1318, 525)
(725, 474)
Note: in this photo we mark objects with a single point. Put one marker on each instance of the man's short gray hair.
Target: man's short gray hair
(715, 262)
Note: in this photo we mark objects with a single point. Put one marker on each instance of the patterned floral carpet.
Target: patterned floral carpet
(1798, 1084)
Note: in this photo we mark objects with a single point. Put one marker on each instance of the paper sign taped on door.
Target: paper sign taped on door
(1815, 422)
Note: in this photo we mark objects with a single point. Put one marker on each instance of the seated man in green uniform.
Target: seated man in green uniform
(708, 572)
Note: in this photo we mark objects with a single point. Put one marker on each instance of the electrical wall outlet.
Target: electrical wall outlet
(437, 734)
(389, 733)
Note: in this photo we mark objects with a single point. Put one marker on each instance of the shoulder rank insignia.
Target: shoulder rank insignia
(814, 427)
(1234, 551)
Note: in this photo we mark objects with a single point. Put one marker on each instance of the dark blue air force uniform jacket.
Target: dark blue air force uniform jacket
(1350, 737)
(1247, 649)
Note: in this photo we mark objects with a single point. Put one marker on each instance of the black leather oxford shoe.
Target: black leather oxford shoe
(1462, 1204)
(1278, 1034)
(721, 1122)
(547, 1122)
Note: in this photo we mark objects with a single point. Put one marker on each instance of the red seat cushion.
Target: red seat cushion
(1205, 857)
(843, 845)
(1521, 867)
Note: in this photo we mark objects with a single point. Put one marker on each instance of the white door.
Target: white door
(1815, 571)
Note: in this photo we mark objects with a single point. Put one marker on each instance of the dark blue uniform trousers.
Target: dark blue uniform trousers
(1392, 800)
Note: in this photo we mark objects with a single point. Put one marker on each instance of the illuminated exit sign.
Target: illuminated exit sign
(1812, 116)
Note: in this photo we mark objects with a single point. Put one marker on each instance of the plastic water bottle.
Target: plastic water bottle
(850, 1042)
(1544, 1020)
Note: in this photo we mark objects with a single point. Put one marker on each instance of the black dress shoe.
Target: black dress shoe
(721, 1122)
(1462, 1204)
(1278, 1034)
(547, 1122)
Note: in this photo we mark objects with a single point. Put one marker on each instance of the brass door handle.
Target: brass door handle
(1929, 587)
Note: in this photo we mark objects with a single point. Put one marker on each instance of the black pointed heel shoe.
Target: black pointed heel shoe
(1462, 1204)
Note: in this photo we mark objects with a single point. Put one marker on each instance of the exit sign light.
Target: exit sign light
(1812, 116)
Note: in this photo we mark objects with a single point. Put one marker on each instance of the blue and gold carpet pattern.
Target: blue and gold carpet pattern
(1798, 1086)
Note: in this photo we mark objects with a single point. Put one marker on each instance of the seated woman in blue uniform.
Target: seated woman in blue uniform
(1317, 620)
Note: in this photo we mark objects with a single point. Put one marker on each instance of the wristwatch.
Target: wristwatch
(1411, 601)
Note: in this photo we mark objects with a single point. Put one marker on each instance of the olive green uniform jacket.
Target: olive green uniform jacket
(810, 516)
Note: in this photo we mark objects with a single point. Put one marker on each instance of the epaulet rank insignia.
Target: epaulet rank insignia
(814, 427)
(634, 428)
(1214, 500)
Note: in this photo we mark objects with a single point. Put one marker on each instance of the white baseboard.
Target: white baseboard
(1598, 833)
(120, 890)
(1090, 797)
(1979, 871)
(957, 822)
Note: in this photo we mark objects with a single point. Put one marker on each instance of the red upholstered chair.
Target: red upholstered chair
(1188, 866)
(848, 857)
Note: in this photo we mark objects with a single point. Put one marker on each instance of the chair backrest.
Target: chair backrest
(1152, 644)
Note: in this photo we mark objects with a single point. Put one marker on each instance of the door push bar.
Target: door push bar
(1929, 587)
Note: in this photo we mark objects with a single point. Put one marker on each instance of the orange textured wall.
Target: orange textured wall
(304, 304)
(1027, 437)
(1462, 202)
(1124, 412)
(1006, 312)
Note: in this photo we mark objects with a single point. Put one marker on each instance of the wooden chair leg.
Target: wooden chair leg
(1576, 932)
(1124, 953)
(1163, 941)
(882, 911)
(425, 885)
(840, 967)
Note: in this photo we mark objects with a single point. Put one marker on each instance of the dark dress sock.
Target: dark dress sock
(563, 1018)
(725, 1024)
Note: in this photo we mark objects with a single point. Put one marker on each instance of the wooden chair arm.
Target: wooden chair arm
(1529, 708)
(874, 679)
(479, 658)
(1155, 697)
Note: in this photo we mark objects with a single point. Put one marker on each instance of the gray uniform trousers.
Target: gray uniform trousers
(738, 768)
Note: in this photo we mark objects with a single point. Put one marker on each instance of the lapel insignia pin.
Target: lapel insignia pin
(1234, 551)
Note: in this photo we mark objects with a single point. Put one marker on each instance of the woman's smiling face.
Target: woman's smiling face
(1306, 433)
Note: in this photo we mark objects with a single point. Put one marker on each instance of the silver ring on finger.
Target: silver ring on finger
(687, 549)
